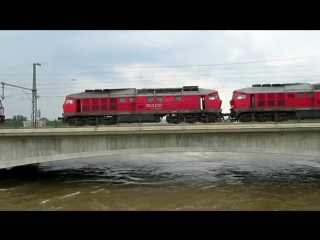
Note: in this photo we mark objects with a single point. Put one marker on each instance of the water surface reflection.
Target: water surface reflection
(172, 181)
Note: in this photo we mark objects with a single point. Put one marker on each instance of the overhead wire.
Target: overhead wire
(220, 75)
(194, 65)
(156, 79)
(164, 80)
(255, 68)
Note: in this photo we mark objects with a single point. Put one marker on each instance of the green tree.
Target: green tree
(19, 118)
(44, 119)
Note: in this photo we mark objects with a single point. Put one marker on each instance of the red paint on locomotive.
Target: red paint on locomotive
(283, 99)
(2, 116)
(112, 102)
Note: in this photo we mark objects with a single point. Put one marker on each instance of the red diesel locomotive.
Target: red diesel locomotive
(276, 102)
(188, 104)
(2, 116)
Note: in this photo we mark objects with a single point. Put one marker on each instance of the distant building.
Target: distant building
(29, 123)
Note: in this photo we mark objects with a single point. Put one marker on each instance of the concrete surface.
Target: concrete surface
(164, 129)
(28, 146)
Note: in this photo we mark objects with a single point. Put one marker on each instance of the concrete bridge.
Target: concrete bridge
(30, 146)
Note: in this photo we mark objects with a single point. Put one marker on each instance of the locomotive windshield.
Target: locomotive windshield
(0, 103)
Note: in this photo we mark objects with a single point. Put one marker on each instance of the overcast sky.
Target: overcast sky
(72, 61)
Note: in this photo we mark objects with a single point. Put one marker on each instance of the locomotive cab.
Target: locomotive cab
(239, 100)
(71, 105)
(217, 102)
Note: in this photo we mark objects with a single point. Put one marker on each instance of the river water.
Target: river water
(170, 181)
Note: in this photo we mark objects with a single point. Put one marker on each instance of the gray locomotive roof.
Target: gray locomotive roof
(287, 87)
(186, 90)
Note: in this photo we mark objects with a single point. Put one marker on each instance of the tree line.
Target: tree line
(17, 121)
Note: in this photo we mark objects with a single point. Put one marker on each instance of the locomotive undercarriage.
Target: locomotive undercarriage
(2, 119)
(143, 118)
(111, 120)
(274, 116)
(266, 116)
(192, 118)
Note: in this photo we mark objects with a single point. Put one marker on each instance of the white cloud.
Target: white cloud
(235, 32)
(261, 38)
(235, 54)
(113, 59)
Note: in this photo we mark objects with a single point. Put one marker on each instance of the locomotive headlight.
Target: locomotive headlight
(69, 101)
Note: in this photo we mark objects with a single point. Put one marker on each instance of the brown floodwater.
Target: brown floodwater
(170, 181)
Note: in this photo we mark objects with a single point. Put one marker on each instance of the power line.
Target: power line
(178, 66)
(34, 94)
(198, 73)
(212, 75)
(64, 94)
(221, 75)
(233, 69)
(164, 79)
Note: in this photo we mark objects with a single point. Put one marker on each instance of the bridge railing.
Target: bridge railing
(59, 124)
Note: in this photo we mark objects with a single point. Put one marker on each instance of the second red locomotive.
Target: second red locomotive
(2, 116)
(188, 104)
(276, 102)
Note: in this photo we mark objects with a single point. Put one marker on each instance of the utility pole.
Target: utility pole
(34, 97)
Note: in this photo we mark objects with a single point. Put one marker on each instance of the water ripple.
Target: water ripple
(170, 181)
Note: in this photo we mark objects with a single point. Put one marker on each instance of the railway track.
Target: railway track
(168, 124)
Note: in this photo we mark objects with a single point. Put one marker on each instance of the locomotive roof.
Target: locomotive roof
(97, 93)
(286, 87)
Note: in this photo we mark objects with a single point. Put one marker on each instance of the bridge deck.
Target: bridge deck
(29, 146)
(163, 129)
